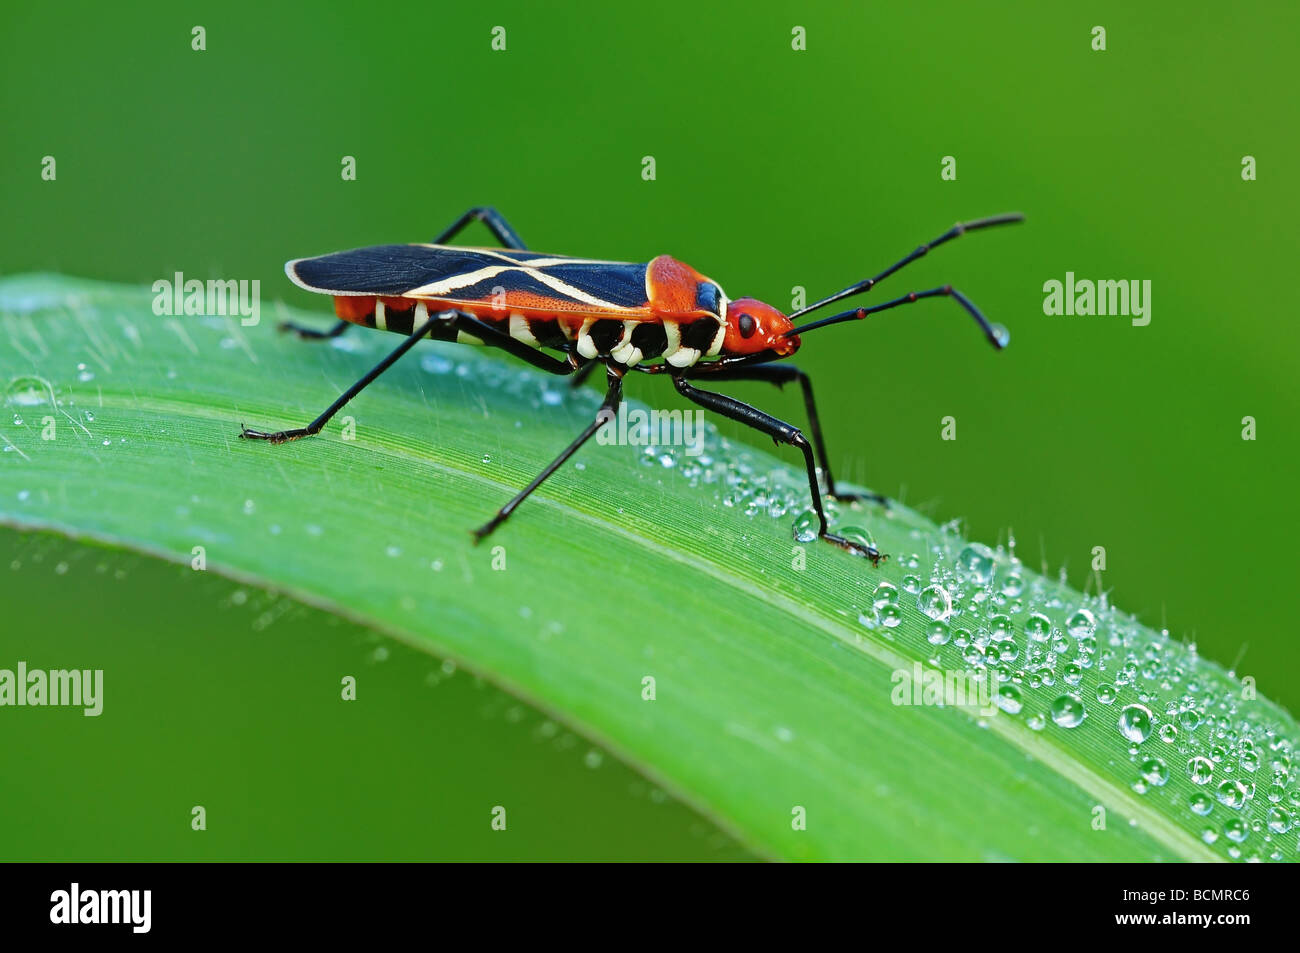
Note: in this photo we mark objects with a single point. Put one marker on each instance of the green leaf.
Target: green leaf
(777, 666)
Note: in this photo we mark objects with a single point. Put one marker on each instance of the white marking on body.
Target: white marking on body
(586, 346)
(623, 351)
(381, 319)
(421, 315)
(520, 331)
(464, 337)
(715, 346)
(446, 287)
(683, 356)
(673, 332)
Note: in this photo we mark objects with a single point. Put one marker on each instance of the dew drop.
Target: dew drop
(1279, 821)
(1155, 771)
(1201, 803)
(1082, 624)
(1009, 699)
(935, 603)
(1135, 723)
(856, 534)
(1232, 794)
(1235, 830)
(1105, 693)
(976, 561)
(1068, 711)
(1038, 627)
(806, 526)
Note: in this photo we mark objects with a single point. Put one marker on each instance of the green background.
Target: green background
(775, 168)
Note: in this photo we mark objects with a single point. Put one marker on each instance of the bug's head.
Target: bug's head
(754, 327)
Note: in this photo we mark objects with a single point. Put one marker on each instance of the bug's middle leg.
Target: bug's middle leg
(608, 407)
(780, 374)
(781, 432)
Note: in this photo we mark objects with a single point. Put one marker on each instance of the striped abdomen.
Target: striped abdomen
(624, 342)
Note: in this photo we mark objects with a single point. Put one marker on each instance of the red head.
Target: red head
(754, 327)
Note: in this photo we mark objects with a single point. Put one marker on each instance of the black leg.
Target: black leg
(582, 373)
(312, 334)
(781, 374)
(781, 432)
(607, 410)
(452, 321)
(490, 217)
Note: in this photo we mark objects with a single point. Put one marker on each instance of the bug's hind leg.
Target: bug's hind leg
(781, 374)
(608, 408)
(490, 217)
(781, 432)
(448, 321)
(313, 428)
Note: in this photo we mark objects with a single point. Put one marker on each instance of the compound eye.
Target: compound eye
(746, 325)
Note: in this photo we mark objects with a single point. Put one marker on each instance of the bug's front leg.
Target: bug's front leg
(781, 374)
(781, 432)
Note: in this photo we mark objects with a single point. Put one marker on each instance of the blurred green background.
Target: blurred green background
(775, 168)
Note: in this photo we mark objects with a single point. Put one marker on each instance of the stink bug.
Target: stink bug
(662, 317)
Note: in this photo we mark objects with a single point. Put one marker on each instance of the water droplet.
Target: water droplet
(1201, 803)
(1235, 829)
(1008, 699)
(1068, 711)
(18, 420)
(1232, 794)
(1190, 719)
(1135, 723)
(1038, 627)
(936, 633)
(935, 603)
(487, 458)
(1168, 733)
(1155, 771)
(806, 526)
(886, 594)
(1082, 624)
(1106, 693)
(1279, 821)
(976, 561)
(890, 615)
(856, 534)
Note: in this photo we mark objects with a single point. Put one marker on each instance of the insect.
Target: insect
(571, 315)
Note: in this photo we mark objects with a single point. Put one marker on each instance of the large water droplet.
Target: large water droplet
(934, 602)
(1135, 723)
(806, 526)
(1082, 624)
(1232, 793)
(1068, 711)
(976, 561)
